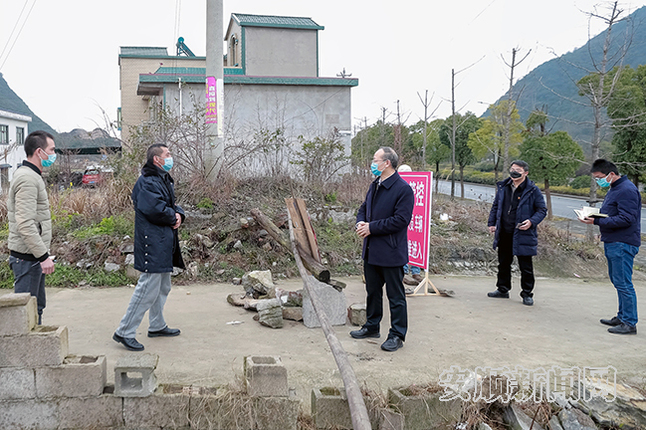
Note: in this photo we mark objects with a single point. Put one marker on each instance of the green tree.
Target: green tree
(489, 139)
(627, 110)
(368, 140)
(466, 124)
(551, 156)
(321, 158)
(436, 152)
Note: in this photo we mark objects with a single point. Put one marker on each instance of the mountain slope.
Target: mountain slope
(10, 101)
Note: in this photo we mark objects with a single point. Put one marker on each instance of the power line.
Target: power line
(19, 31)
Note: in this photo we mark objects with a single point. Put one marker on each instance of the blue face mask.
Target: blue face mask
(168, 164)
(374, 168)
(49, 161)
(603, 182)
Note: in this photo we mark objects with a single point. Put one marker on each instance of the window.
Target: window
(4, 134)
(20, 136)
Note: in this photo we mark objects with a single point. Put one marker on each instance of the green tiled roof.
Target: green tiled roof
(197, 75)
(148, 51)
(275, 21)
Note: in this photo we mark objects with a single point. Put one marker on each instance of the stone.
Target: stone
(43, 346)
(293, 313)
(332, 301)
(29, 414)
(193, 269)
(426, 410)
(290, 298)
(78, 376)
(270, 313)
(237, 245)
(485, 426)
(131, 272)
(244, 223)
(127, 248)
(265, 376)
(262, 233)
(130, 260)
(574, 419)
(258, 283)
(627, 410)
(554, 423)
(156, 411)
(134, 375)
(236, 281)
(18, 314)
(111, 267)
(516, 419)
(17, 383)
(357, 314)
(102, 412)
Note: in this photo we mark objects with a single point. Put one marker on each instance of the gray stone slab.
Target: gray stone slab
(78, 376)
(265, 376)
(43, 346)
(332, 301)
(29, 414)
(101, 412)
(17, 383)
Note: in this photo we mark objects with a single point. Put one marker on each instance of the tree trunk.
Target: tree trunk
(462, 182)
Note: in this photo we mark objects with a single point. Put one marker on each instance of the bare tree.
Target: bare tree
(510, 105)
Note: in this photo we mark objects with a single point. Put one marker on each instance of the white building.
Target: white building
(14, 128)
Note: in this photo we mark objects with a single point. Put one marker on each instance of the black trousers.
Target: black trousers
(505, 258)
(376, 277)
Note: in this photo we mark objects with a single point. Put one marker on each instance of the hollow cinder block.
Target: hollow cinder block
(426, 410)
(134, 375)
(78, 376)
(18, 314)
(265, 376)
(17, 383)
(43, 346)
(330, 409)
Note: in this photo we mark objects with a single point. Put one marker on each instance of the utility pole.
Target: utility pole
(214, 150)
(453, 134)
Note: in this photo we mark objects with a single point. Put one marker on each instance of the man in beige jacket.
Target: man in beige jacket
(30, 221)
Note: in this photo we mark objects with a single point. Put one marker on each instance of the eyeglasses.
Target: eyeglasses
(377, 161)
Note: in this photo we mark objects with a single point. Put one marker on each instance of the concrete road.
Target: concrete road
(562, 206)
(469, 330)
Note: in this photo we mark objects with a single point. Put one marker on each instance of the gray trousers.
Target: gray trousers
(150, 295)
(29, 278)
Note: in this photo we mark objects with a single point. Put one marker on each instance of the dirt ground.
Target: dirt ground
(468, 330)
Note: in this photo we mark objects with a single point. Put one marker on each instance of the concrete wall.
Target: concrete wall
(234, 51)
(280, 52)
(297, 110)
(134, 108)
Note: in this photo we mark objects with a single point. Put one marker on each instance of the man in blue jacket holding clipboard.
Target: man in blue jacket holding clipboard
(382, 222)
(621, 237)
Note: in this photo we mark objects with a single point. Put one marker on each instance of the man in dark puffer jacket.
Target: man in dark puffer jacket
(157, 219)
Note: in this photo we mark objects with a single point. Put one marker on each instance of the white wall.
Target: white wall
(12, 153)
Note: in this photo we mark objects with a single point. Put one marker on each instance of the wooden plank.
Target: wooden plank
(307, 226)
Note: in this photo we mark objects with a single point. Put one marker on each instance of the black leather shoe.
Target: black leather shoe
(528, 301)
(613, 322)
(623, 329)
(392, 344)
(129, 342)
(498, 294)
(167, 332)
(363, 333)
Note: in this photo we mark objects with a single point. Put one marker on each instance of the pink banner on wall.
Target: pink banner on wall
(419, 229)
(211, 101)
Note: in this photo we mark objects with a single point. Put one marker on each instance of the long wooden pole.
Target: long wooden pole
(358, 410)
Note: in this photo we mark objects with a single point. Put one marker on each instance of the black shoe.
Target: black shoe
(363, 333)
(528, 301)
(498, 294)
(623, 329)
(129, 342)
(392, 344)
(613, 322)
(167, 332)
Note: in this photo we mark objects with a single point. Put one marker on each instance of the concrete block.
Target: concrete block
(28, 414)
(78, 376)
(265, 376)
(330, 409)
(425, 411)
(103, 412)
(134, 375)
(156, 411)
(43, 346)
(332, 301)
(391, 420)
(18, 314)
(17, 383)
(275, 413)
(221, 409)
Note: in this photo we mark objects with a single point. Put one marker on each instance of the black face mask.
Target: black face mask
(515, 175)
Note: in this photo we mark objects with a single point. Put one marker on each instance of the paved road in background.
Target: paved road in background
(561, 206)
